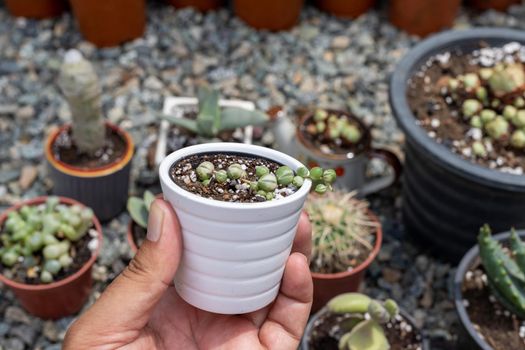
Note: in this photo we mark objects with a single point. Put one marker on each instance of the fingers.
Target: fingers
(303, 238)
(128, 302)
(287, 318)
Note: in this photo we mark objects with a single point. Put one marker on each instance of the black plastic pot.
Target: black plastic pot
(469, 338)
(306, 336)
(446, 198)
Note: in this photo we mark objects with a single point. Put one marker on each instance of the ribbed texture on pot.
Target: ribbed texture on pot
(234, 253)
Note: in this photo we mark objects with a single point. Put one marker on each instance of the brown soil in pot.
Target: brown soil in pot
(326, 333)
(183, 174)
(497, 326)
(65, 150)
(80, 253)
(442, 117)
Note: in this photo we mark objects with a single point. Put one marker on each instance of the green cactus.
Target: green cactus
(365, 333)
(138, 208)
(43, 234)
(212, 120)
(504, 272)
(79, 84)
(507, 79)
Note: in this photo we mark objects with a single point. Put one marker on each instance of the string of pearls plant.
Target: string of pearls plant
(268, 182)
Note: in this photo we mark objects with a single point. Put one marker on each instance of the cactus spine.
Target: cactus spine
(505, 275)
(79, 84)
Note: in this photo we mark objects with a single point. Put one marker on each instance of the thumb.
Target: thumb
(128, 302)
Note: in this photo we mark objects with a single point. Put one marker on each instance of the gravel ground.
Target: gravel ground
(331, 62)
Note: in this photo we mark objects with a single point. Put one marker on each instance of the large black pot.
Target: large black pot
(446, 198)
(469, 338)
(309, 327)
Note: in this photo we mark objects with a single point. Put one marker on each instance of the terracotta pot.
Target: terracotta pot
(345, 8)
(201, 5)
(110, 22)
(271, 14)
(38, 9)
(104, 189)
(328, 285)
(499, 5)
(60, 298)
(423, 17)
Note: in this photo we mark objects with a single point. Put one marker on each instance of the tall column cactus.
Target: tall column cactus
(79, 84)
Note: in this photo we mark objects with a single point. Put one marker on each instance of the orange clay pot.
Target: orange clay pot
(423, 17)
(201, 5)
(269, 14)
(499, 5)
(110, 22)
(345, 8)
(61, 298)
(38, 9)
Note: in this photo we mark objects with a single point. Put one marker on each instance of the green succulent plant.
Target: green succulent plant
(334, 127)
(138, 208)
(505, 270)
(341, 231)
(365, 332)
(41, 236)
(212, 119)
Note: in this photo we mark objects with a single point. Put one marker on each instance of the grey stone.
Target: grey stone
(24, 332)
(16, 314)
(14, 344)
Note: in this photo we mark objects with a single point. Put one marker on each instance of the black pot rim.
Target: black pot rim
(463, 267)
(417, 135)
(304, 340)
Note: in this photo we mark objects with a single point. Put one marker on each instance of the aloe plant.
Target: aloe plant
(365, 331)
(505, 269)
(138, 208)
(212, 119)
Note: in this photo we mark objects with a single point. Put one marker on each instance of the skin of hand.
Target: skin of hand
(141, 308)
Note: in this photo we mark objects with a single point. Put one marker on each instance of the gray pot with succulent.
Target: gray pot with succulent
(89, 159)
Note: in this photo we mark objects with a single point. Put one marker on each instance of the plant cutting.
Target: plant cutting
(238, 206)
(36, 9)
(138, 209)
(499, 5)
(343, 8)
(354, 321)
(89, 159)
(47, 248)
(346, 238)
(271, 15)
(463, 142)
(205, 119)
(489, 292)
(339, 140)
(201, 5)
(98, 19)
(423, 17)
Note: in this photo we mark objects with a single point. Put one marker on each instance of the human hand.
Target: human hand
(141, 308)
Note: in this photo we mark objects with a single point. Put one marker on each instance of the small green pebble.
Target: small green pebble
(303, 172)
(476, 122)
(509, 112)
(9, 258)
(320, 188)
(329, 176)
(519, 119)
(298, 181)
(235, 171)
(316, 173)
(267, 182)
(497, 128)
(221, 176)
(471, 80)
(471, 107)
(205, 170)
(284, 175)
(261, 170)
(478, 149)
(517, 139)
(487, 115)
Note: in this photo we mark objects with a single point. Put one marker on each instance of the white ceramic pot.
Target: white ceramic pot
(234, 253)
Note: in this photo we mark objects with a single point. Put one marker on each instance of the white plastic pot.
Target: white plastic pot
(234, 253)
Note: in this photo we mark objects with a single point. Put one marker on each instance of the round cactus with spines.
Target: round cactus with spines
(40, 237)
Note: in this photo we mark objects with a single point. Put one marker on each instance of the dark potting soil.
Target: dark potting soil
(499, 327)
(79, 251)
(327, 331)
(441, 115)
(183, 174)
(65, 150)
(327, 145)
(138, 233)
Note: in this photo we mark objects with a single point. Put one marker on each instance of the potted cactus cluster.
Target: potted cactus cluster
(47, 248)
(89, 159)
(239, 207)
(339, 140)
(354, 321)
(489, 291)
(346, 237)
(459, 96)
